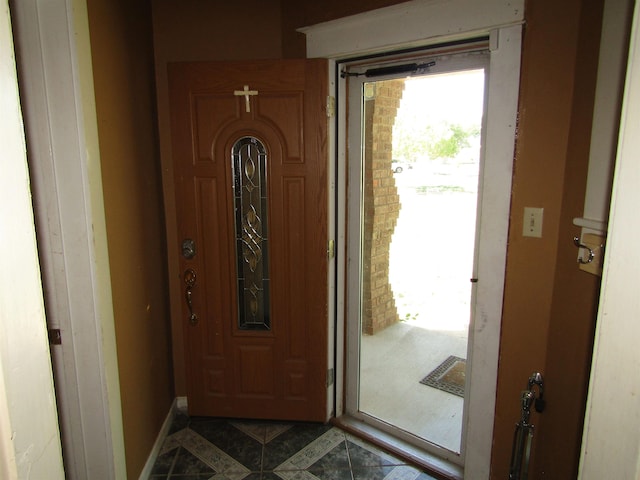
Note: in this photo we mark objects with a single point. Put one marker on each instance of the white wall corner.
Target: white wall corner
(182, 404)
(29, 435)
(178, 407)
(58, 98)
(611, 437)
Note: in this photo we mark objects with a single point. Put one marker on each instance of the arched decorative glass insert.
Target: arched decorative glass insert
(249, 167)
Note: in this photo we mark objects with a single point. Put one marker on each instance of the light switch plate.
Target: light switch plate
(532, 222)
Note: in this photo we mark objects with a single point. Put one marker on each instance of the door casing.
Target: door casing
(475, 56)
(426, 25)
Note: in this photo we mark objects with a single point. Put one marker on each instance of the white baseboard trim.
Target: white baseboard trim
(179, 405)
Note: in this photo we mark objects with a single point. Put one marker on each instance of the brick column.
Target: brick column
(382, 204)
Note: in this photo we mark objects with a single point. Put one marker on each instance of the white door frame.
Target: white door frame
(61, 126)
(444, 63)
(611, 436)
(29, 438)
(423, 23)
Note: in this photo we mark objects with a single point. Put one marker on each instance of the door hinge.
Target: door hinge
(331, 106)
(331, 249)
(329, 377)
(55, 338)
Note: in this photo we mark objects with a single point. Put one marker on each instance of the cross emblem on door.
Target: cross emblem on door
(246, 93)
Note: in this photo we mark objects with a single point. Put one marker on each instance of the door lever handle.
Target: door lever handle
(190, 281)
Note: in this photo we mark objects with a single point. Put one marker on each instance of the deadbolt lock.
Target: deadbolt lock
(188, 248)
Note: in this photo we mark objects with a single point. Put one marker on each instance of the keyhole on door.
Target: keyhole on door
(188, 248)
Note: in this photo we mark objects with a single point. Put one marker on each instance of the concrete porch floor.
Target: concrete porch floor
(393, 362)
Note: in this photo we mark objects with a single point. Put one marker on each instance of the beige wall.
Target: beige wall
(122, 54)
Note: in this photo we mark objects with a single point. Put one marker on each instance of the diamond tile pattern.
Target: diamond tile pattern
(220, 449)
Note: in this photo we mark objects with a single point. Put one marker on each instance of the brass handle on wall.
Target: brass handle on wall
(190, 281)
(523, 436)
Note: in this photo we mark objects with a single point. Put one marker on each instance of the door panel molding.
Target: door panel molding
(278, 372)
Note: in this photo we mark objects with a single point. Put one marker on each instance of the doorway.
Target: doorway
(419, 212)
(417, 243)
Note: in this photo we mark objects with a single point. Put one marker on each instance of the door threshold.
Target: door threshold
(432, 464)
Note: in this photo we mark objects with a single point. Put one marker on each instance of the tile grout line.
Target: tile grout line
(296, 466)
(308, 455)
(174, 461)
(211, 455)
(346, 446)
(264, 446)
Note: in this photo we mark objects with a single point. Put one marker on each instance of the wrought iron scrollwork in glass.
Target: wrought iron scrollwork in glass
(249, 167)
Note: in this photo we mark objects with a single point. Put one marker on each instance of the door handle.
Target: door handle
(190, 281)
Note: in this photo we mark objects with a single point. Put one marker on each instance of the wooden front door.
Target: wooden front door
(250, 169)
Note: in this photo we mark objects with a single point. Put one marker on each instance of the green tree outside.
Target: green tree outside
(413, 139)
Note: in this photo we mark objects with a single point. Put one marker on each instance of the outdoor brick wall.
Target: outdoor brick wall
(382, 205)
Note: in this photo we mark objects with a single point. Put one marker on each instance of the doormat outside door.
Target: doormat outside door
(448, 376)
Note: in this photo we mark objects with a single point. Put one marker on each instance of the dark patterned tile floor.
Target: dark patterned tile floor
(219, 449)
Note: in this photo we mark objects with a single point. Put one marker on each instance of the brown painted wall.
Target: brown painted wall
(194, 30)
(201, 30)
(296, 14)
(122, 54)
(550, 305)
(574, 302)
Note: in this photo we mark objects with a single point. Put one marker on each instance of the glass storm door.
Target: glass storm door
(414, 196)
